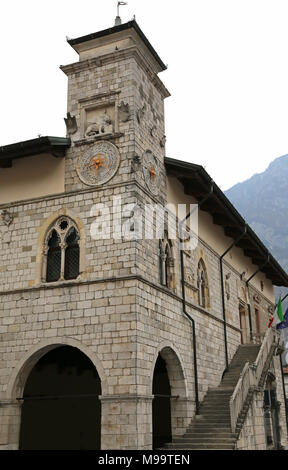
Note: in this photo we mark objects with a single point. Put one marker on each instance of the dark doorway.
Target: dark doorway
(61, 408)
(161, 407)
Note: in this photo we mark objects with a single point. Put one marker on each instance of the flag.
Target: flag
(278, 316)
(122, 3)
(284, 323)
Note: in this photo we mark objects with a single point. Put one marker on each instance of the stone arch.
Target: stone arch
(179, 402)
(22, 370)
(175, 368)
(43, 232)
(24, 367)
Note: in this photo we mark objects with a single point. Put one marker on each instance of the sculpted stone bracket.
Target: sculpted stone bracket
(7, 217)
(71, 124)
(124, 112)
(141, 113)
(135, 163)
(257, 298)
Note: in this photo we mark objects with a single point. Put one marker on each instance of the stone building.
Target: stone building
(115, 339)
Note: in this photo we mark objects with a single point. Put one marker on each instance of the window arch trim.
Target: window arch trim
(43, 233)
(68, 267)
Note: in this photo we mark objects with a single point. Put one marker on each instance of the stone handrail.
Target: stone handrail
(237, 400)
(250, 377)
(271, 338)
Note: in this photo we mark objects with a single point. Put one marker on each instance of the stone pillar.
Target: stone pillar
(10, 420)
(126, 422)
(182, 412)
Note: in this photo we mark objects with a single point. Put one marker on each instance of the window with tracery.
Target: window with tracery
(61, 251)
(202, 284)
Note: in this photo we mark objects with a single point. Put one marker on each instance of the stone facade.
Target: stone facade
(117, 312)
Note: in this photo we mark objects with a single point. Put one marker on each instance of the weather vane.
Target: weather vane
(118, 19)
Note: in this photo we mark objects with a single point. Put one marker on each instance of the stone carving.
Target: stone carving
(140, 113)
(270, 309)
(256, 298)
(71, 124)
(98, 164)
(124, 112)
(153, 131)
(7, 218)
(135, 163)
(151, 171)
(189, 276)
(163, 141)
(102, 125)
(227, 285)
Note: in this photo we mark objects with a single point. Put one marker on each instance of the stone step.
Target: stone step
(220, 391)
(208, 440)
(202, 425)
(204, 411)
(211, 428)
(213, 402)
(213, 414)
(198, 446)
(215, 421)
(216, 402)
(217, 414)
(208, 434)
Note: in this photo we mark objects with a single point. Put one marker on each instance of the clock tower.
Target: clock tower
(115, 115)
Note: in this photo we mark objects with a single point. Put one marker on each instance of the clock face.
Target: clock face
(151, 171)
(98, 164)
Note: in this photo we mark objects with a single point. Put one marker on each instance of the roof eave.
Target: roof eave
(56, 146)
(272, 269)
(115, 29)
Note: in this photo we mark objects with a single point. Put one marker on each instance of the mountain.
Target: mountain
(263, 202)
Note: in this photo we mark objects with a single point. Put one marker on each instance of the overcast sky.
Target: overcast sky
(227, 74)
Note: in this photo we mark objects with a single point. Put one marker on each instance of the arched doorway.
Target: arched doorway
(161, 406)
(61, 408)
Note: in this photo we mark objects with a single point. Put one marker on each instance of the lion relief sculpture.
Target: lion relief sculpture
(102, 125)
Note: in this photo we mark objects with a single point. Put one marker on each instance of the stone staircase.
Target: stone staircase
(211, 429)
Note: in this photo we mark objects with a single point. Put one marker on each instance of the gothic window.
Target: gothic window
(202, 284)
(166, 263)
(61, 252)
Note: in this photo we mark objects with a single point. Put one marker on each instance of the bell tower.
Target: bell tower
(115, 115)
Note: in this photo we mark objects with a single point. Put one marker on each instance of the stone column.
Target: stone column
(126, 422)
(10, 420)
(182, 412)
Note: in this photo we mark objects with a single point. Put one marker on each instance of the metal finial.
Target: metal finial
(118, 20)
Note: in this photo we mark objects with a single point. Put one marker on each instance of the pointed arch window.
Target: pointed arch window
(166, 263)
(202, 284)
(61, 252)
